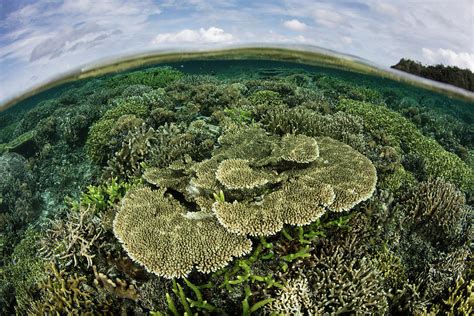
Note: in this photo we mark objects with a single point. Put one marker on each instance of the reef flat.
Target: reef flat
(228, 187)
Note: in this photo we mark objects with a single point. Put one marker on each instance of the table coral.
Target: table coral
(160, 233)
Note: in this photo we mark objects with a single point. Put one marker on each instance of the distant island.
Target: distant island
(463, 78)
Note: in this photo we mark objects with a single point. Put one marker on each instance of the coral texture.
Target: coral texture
(160, 233)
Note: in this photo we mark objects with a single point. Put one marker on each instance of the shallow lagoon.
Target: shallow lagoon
(263, 186)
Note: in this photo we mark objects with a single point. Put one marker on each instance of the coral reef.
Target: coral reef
(146, 146)
(18, 200)
(335, 282)
(67, 294)
(311, 174)
(243, 188)
(407, 138)
(439, 211)
(160, 233)
(324, 176)
(73, 239)
(25, 270)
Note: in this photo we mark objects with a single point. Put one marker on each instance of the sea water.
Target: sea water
(237, 183)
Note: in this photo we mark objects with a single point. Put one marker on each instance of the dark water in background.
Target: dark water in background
(38, 173)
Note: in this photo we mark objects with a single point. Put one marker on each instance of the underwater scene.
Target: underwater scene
(237, 187)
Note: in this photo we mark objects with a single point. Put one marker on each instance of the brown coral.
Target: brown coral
(295, 204)
(67, 294)
(74, 238)
(268, 181)
(337, 180)
(158, 232)
(237, 174)
(299, 148)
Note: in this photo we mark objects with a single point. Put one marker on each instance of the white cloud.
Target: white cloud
(211, 35)
(386, 8)
(448, 57)
(347, 40)
(295, 25)
(328, 18)
(44, 38)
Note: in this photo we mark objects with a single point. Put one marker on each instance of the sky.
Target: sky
(45, 38)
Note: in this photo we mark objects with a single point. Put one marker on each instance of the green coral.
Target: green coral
(264, 100)
(437, 161)
(23, 144)
(126, 107)
(399, 179)
(26, 269)
(157, 77)
(439, 212)
(341, 126)
(106, 134)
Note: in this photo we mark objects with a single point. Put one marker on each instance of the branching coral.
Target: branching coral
(160, 233)
(439, 209)
(117, 287)
(437, 162)
(75, 238)
(160, 147)
(106, 134)
(25, 270)
(67, 294)
(293, 299)
(341, 126)
(334, 282)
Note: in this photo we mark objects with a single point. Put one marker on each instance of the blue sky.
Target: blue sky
(43, 38)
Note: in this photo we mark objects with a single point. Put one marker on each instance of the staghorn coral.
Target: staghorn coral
(341, 126)
(158, 148)
(136, 146)
(118, 287)
(460, 299)
(160, 233)
(63, 293)
(106, 135)
(331, 282)
(438, 209)
(419, 259)
(73, 239)
(293, 299)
